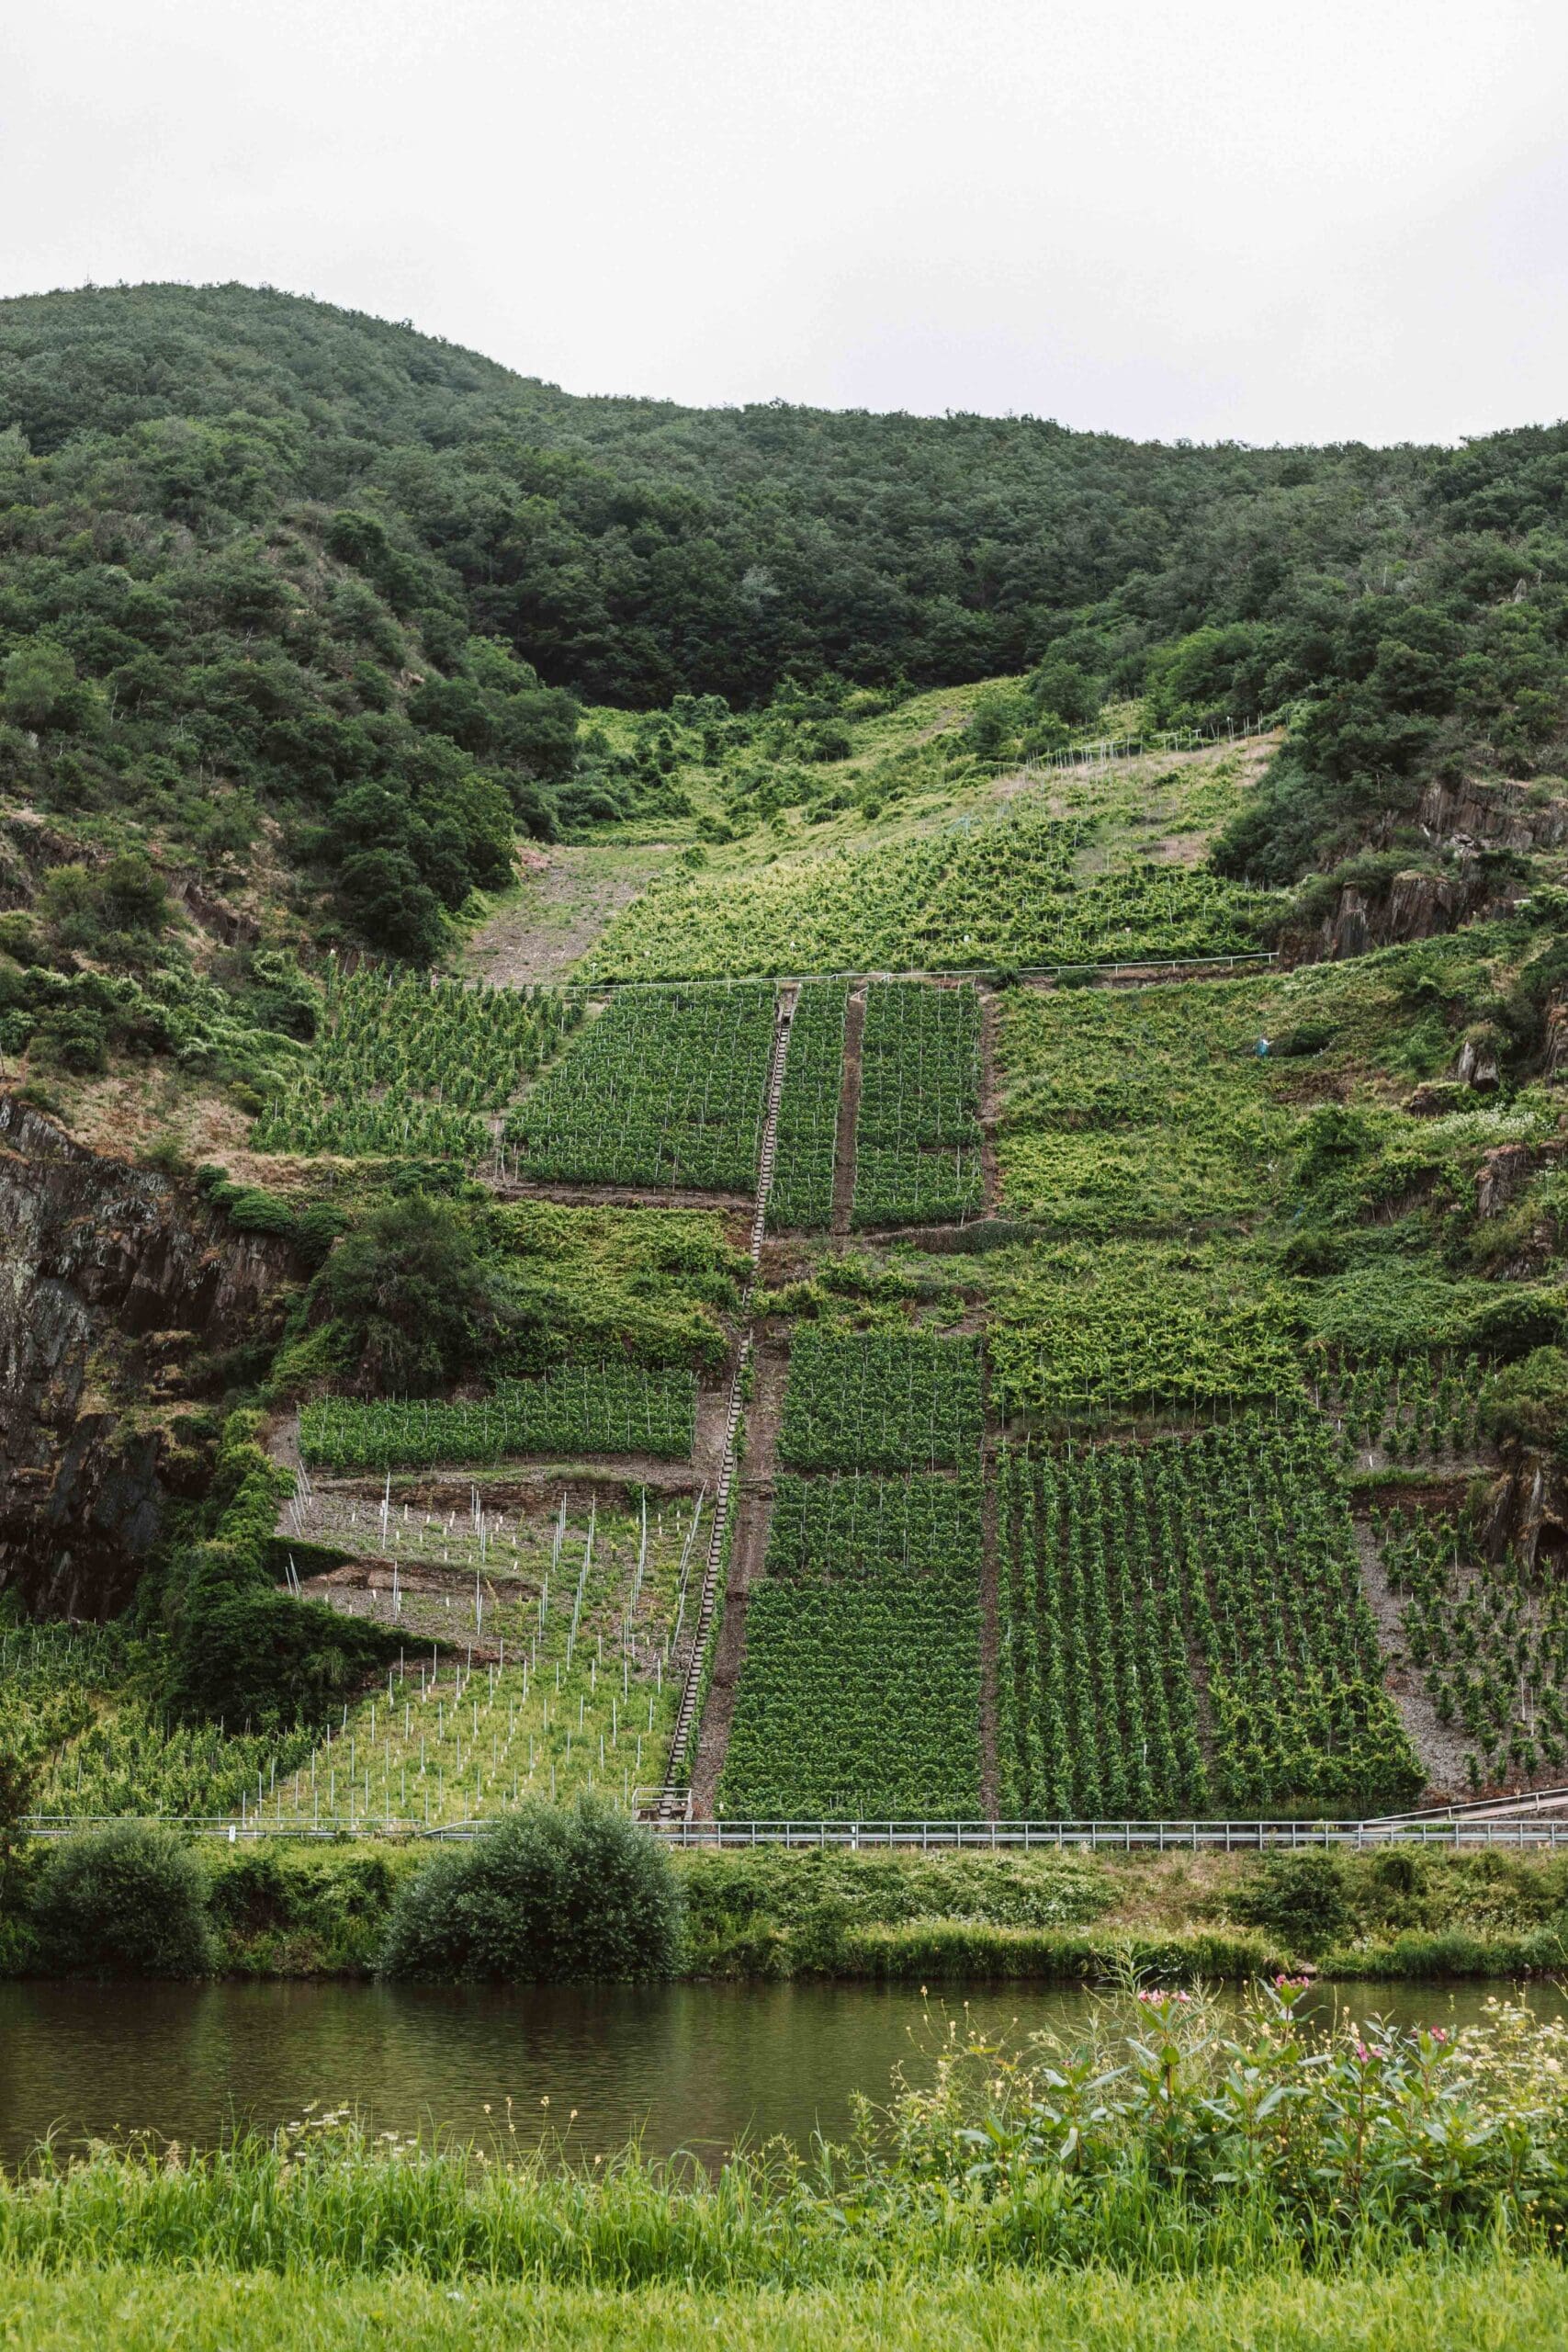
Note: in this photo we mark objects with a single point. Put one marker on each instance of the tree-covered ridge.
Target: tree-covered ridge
(261, 559)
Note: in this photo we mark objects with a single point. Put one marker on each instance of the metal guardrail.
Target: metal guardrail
(1118, 1837)
(1460, 1832)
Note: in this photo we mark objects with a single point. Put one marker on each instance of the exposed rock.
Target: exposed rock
(1528, 1508)
(215, 915)
(1419, 906)
(1477, 1065)
(1433, 1098)
(1501, 1174)
(105, 1272)
(1556, 1048)
(1501, 814)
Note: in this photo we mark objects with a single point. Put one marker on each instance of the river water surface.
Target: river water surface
(693, 2066)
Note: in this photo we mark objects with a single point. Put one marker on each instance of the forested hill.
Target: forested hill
(268, 568)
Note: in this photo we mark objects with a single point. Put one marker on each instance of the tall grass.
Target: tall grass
(1170, 2142)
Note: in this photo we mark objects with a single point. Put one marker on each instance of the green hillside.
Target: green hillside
(903, 1075)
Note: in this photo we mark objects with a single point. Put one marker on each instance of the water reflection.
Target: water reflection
(697, 2066)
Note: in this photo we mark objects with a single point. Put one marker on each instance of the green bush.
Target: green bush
(1529, 1402)
(1300, 1897)
(126, 1901)
(546, 1896)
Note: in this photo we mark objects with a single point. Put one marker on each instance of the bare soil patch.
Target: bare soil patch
(989, 1023)
(991, 1612)
(558, 912)
(1440, 1746)
(848, 1116)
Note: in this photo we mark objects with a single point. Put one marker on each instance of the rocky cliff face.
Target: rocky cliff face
(1503, 815)
(1528, 1508)
(111, 1283)
(1417, 906)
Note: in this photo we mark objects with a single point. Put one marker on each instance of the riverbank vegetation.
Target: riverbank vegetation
(1162, 2140)
(285, 1908)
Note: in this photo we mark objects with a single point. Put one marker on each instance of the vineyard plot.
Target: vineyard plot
(1009, 889)
(1079, 1331)
(616, 1409)
(579, 1691)
(661, 1089)
(860, 1691)
(1130, 1570)
(883, 1401)
(801, 1194)
(917, 1135)
(414, 1066)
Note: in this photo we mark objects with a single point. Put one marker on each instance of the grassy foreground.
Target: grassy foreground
(1176, 2176)
(1418, 2307)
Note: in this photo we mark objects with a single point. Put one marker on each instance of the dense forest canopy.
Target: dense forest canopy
(265, 564)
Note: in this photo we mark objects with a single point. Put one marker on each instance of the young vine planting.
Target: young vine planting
(578, 1690)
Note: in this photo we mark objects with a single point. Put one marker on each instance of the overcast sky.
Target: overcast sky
(1231, 218)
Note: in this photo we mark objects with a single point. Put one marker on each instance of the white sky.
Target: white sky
(1325, 220)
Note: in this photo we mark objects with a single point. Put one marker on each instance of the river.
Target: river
(693, 2066)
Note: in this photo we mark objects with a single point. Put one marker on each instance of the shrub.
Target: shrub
(1300, 1897)
(1529, 1402)
(546, 1896)
(129, 1901)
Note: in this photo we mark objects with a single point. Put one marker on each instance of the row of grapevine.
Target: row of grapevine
(1128, 1569)
(801, 1194)
(1490, 1641)
(858, 1695)
(613, 1407)
(1409, 1408)
(880, 1401)
(661, 1089)
(917, 1134)
(414, 1066)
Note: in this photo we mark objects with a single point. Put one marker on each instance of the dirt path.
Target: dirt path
(848, 1116)
(747, 1553)
(558, 912)
(990, 1022)
(990, 1606)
